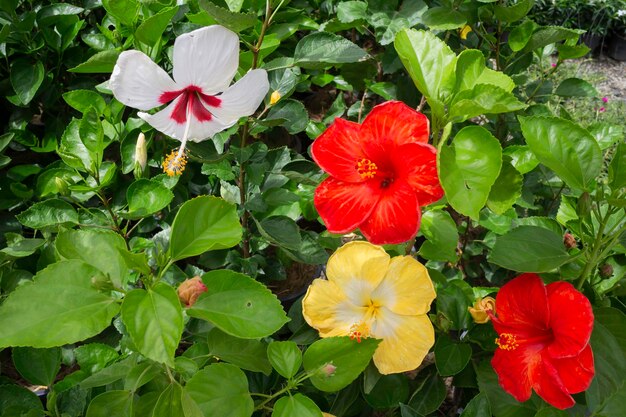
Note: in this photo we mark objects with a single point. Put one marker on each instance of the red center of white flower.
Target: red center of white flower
(194, 100)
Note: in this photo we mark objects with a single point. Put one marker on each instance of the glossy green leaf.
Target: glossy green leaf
(238, 305)
(513, 13)
(441, 236)
(470, 64)
(280, 230)
(125, 11)
(502, 403)
(151, 29)
(450, 357)
(23, 247)
(154, 320)
(111, 403)
(469, 168)
(497, 78)
(290, 114)
(52, 13)
(529, 249)
(507, 188)
(443, 18)
(349, 11)
(429, 396)
(101, 62)
(203, 224)
(19, 401)
(564, 147)
(92, 135)
(78, 312)
(26, 78)
(170, 402)
(146, 197)
(110, 374)
(99, 248)
(48, 213)
(483, 99)
(606, 134)
(285, 357)
(37, 366)
(296, 405)
(477, 407)
(453, 299)
(522, 158)
(575, 87)
(93, 357)
(389, 391)
(550, 34)
(249, 354)
(326, 48)
(82, 100)
(72, 149)
(348, 357)
(572, 51)
(221, 390)
(520, 35)
(233, 21)
(617, 167)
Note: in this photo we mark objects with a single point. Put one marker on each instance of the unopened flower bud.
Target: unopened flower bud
(141, 155)
(569, 241)
(606, 271)
(190, 290)
(480, 309)
(62, 186)
(274, 98)
(328, 369)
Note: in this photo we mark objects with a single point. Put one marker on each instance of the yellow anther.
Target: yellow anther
(174, 163)
(507, 341)
(366, 168)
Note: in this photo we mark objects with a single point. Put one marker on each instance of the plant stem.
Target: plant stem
(595, 248)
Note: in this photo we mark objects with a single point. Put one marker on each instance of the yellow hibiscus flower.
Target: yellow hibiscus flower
(369, 294)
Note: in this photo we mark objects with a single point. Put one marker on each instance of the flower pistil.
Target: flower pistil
(507, 341)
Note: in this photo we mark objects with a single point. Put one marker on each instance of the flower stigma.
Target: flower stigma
(359, 331)
(507, 341)
(174, 163)
(366, 168)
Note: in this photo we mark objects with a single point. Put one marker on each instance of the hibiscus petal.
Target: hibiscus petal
(325, 307)
(138, 82)
(512, 369)
(395, 122)
(522, 303)
(406, 288)
(207, 58)
(338, 150)
(396, 217)
(242, 98)
(577, 372)
(417, 164)
(405, 341)
(571, 319)
(547, 384)
(357, 268)
(344, 206)
(198, 131)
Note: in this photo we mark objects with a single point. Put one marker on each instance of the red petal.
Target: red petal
(571, 319)
(338, 149)
(547, 384)
(576, 372)
(396, 217)
(417, 163)
(512, 370)
(395, 122)
(344, 206)
(522, 304)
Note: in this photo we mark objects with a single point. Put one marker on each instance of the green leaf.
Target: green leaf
(550, 34)
(430, 63)
(290, 114)
(520, 35)
(151, 29)
(110, 374)
(469, 168)
(348, 356)
(53, 212)
(575, 87)
(442, 237)
(79, 311)
(605, 134)
(296, 405)
(54, 13)
(483, 99)
(507, 188)
(203, 224)
(529, 249)
(496, 78)
(389, 391)
(111, 403)
(99, 248)
(92, 134)
(18, 401)
(572, 51)
(72, 149)
(93, 357)
(238, 305)
(450, 357)
(102, 62)
(82, 100)
(169, 403)
(349, 11)
(154, 320)
(236, 22)
(502, 403)
(125, 11)
(617, 167)
(564, 147)
(285, 357)
(146, 197)
(37, 366)
(429, 396)
(221, 390)
(513, 13)
(23, 247)
(477, 407)
(453, 300)
(280, 230)
(470, 64)
(326, 48)
(522, 158)
(26, 78)
(249, 354)
(443, 18)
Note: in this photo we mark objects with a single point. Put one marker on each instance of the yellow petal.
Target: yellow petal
(405, 341)
(406, 289)
(357, 268)
(327, 309)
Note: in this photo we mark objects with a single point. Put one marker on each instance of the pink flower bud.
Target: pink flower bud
(601, 109)
(605, 99)
(329, 369)
(190, 290)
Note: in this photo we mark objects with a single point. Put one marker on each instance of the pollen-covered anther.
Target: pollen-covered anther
(507, 341)
(174, 163)
(366, 168)
(359, 331)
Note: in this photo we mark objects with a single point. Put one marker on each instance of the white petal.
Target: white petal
(243, 97)
(138, 82)
(207, 58)
(198, 131)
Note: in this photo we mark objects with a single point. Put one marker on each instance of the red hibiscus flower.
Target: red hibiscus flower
(381, 172)
(543, 340)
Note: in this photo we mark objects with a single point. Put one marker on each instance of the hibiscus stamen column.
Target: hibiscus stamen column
(175, 165)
